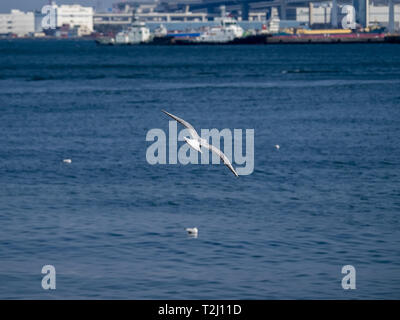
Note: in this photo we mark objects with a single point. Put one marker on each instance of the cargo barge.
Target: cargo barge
(302, 36)
(262, 39)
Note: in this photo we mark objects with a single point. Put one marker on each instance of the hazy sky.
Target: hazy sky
(29, 5)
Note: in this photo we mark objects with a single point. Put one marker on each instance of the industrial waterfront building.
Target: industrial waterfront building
(321, 13)
(17, 23)
(75, 16)
(311, 12)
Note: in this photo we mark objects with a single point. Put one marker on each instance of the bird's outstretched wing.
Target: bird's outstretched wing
(223, 157)
(192, 131)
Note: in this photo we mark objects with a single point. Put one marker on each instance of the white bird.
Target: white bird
(197, 142)
(67, 160)
(277, 146)
(192, 231)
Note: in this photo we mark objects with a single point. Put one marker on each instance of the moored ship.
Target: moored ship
(135, 34)
(225, 32)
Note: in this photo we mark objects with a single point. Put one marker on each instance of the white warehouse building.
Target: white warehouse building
(17, 22)
(381, 14)
(74, 16)
(321, 13)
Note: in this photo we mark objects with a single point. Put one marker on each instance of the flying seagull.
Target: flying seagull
(197, 142)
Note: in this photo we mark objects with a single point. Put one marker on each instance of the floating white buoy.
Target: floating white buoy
(192, 232)
(67, 160)
(277, 146)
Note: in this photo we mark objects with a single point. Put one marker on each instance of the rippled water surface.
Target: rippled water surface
(113, 225)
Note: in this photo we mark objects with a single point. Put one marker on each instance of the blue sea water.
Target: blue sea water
(113, 225)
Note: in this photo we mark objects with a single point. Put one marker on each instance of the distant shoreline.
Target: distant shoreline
(389, 39)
